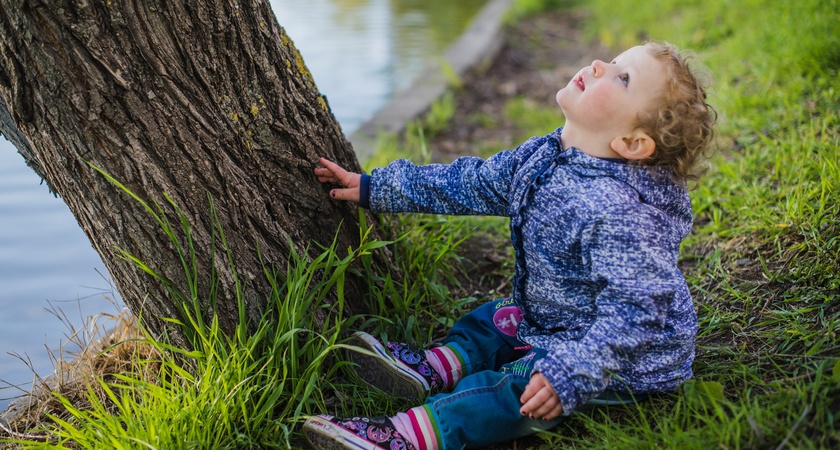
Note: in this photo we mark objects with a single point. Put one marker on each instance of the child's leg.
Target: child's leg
(483, 339)
(487, 336)
(440, 423)
(481, 411)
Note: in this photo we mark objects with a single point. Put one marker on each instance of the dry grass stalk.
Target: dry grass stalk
(110, 344)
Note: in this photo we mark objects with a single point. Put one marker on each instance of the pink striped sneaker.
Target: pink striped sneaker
(400, 370)
(358, 433)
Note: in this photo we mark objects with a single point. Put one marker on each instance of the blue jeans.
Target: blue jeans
(483, 409)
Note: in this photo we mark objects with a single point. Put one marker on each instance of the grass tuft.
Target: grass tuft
(762, 264)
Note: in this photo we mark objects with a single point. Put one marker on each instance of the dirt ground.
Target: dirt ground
(539, 56)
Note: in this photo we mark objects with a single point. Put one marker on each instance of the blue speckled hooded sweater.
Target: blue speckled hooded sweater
(596, 244)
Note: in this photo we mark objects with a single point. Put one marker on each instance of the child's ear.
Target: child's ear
(638, 145)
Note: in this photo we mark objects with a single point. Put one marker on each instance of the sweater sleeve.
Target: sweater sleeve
(467, 186)
(633, 257)
(364, 191)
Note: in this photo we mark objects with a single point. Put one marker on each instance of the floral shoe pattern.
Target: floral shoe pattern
(400, 370)
(360, 433)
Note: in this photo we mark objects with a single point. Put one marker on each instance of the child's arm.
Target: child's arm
(333, 173)
(539, 399)
(468, 185)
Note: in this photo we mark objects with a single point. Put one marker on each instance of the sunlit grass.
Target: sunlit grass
(762, 264)
(251, 390)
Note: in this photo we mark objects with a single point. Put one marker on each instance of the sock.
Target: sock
(448, 363)
(417, 426)
(402, 423)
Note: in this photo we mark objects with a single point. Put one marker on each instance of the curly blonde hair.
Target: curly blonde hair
(681, 123)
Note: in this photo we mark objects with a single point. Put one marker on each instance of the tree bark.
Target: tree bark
(194, 99)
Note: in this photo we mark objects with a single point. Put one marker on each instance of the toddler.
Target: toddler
(599, 312)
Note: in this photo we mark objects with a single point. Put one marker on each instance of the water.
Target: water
(359, 51)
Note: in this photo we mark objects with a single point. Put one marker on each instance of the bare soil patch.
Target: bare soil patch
(539, 56)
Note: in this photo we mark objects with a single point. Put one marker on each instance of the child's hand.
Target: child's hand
(539, 399)
(333, 173)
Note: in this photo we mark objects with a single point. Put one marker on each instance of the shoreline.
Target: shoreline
(479, 44)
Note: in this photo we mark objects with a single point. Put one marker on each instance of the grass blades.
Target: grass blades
(251, 391)
(763, 259)
(239, 391)
(235, 391)
(762, 264)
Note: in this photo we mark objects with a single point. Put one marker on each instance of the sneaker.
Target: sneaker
(400, 370)
(358, 433)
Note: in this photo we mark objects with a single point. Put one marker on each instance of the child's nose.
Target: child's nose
(598, 67)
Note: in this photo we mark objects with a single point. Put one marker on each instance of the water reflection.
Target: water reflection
(359, 52)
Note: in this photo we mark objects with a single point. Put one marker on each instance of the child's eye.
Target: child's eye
(624, 79)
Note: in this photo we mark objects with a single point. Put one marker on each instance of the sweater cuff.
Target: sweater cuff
(364, 191)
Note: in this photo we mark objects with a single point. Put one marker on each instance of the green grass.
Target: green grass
(252, 390)
(762, 264)
(762, 261)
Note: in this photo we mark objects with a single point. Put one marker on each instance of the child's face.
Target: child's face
(607, 97)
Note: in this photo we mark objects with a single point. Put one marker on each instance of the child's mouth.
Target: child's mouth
(579, 82)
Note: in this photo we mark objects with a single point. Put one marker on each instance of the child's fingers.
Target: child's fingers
(539, 401)
(549, 406)
(529, 399)
(326, 171)
(542, 405)
(532, 405)
(325, 175)
(333, 173)
(337, 170)
(349, 194)
(530, 390)
(552, 413)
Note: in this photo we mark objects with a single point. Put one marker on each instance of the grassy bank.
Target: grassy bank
(763, 258)
(762, 261)
(762, 264)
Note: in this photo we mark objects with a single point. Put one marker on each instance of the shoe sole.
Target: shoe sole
(384, 372)
(324, 435)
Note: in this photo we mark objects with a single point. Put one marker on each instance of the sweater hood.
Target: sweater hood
(654, 187)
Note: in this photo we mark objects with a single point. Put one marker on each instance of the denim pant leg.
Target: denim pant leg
(488, 336)
(484, 407)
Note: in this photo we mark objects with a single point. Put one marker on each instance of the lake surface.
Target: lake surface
(359, 51)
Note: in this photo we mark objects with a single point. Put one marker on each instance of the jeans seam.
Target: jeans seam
(494, 388)
(507, 379)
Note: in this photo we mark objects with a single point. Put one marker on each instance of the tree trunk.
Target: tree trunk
(197, 100)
